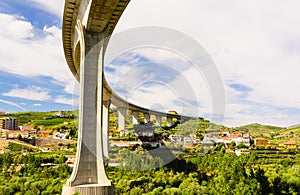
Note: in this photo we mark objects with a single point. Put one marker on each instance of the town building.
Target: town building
(124, 132)
(71, 159)
(175, 138)
(290, 145)
(145, 133)
(260, 141)
(226, 138)
(189, 140)
(9, 123)
(13, 134)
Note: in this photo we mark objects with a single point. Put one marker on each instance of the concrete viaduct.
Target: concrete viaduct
(87, 25)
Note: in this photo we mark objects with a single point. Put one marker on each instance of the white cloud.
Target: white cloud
(31, 55)
(52, 6)
(30, 93)
(70, 101)
(37, 105)
(170, 80)
(254, 43)
(14, 27)
(12, 104)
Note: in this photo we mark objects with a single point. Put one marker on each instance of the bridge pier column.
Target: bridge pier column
(121, 117)
(105, 125)
(169, 120)
(89, 176)
(158, 119)
(146, 118)
(135, 117)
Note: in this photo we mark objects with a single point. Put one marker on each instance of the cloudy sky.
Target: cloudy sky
(254, 44)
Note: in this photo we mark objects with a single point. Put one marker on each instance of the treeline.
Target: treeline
(215, 173)
(25, 175)
(145, 172)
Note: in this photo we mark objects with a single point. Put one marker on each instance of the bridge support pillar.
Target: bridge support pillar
(146, 118)
(135, 117)
(169, 120)
(105, 125)
(89, 176)
(121, 117)
(158, 119)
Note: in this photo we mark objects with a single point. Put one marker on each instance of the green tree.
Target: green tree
(19, 137)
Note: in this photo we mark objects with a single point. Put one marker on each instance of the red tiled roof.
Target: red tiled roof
(260, 138)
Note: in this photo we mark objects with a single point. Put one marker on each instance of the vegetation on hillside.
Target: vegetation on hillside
(257, 129)
(216, 173)
(145, 172)
(24, 174)
(45, 119)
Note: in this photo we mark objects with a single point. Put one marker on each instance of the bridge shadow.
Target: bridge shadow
(164, 153)
(171, 161)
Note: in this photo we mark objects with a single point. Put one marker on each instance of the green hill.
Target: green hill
(295, 129)
(258, 129)
(45, 120)
(48, 121)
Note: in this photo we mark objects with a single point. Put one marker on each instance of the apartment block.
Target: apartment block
(9, 123)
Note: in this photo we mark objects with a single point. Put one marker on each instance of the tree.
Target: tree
(19, 137)
(232, 145)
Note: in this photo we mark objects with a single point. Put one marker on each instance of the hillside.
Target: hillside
(49, 121)
(45, 120)
(258, 129)
(293, 130)
(294, 126)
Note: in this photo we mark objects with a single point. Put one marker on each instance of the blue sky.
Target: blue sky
(32, 77)
(254, 44)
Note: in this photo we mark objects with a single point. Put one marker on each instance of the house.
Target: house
(260, 141)
(70, 159)
(246, 135)
(290, 145)
(235, 134)
(43, 133)
(124, 132)
(146, 133)
(9, 123)
(13, 134)
(223, 140)
(189, 140)
(266, 134)
(241, 151)
(24, 127)
(207, 144)
(225, 133)
(175, 138)
(57, 114)
(193, 135)
(3, 133)
(60, 136)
